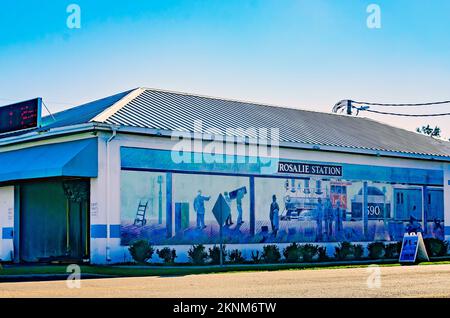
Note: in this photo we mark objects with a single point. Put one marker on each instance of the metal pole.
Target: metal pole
(384, 208)
(220, 238)
(425, 209)
(160, 181)
(365, 207)
(67, 227)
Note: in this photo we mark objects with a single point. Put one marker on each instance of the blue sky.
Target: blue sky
(302, 53)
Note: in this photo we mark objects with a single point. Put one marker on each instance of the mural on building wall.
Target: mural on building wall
(301, 209)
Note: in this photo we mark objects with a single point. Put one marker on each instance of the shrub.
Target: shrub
(343, 250)
(358, 251)
(436, 247)
(376, 250)
(167, 255)
(256, 257)
(399, 247)
(197, 254)
(141, 251)
(308, 252)
(292, 253)
(271, 254)
(214, 254)
(322, 253)
(392, 250)
(235, 257)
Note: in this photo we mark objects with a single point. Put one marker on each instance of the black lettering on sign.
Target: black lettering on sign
(307, 168)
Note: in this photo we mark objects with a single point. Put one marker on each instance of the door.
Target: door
(435, 204)
(53, 225)
(408, 202)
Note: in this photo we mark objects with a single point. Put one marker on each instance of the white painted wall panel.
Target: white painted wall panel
(6, 222)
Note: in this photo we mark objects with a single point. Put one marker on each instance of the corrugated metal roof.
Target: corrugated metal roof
(175, 111)
(73, 116)
(83, 113)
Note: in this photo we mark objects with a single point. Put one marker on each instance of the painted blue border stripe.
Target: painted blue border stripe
(114, 231)
(98, 231)
(447, 230)
(7, 233)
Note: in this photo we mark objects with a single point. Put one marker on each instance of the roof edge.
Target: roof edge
(293, 145)
(70, 130)
(111, 110)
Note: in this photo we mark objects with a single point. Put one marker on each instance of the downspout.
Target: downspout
(108, 232)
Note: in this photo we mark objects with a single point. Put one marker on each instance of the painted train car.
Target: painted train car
(379, 207)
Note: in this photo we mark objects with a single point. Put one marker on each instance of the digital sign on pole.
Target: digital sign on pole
(20, 116)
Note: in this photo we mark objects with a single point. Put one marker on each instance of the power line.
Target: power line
(347, 105)
(401, 105)
(404, 115)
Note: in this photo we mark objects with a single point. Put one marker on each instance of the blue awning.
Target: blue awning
(68, 159)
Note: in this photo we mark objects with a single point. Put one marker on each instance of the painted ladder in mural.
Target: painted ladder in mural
(140, 213)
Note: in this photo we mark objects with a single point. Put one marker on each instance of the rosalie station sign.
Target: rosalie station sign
(310, 169)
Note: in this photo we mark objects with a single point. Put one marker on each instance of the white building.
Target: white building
(91, 179)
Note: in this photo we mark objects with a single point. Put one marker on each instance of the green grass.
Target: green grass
(131, 271)
(134, 271)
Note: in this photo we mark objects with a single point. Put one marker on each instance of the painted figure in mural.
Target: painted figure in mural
(413, 225)
(328, 211)
(319, 219)
(239, 196)
(274, 215)
(338, 216)
(229, 220)
(438, 230)
(199, 207)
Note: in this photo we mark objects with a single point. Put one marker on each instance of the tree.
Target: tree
(427, 130)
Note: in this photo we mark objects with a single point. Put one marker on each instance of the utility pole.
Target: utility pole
(349, 107)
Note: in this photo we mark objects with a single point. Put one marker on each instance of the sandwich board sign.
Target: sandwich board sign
(413, 248)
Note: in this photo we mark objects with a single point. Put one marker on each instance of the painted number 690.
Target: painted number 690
(374, 210)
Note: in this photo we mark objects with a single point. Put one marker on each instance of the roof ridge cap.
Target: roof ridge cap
(238, 100)
(111, 110)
